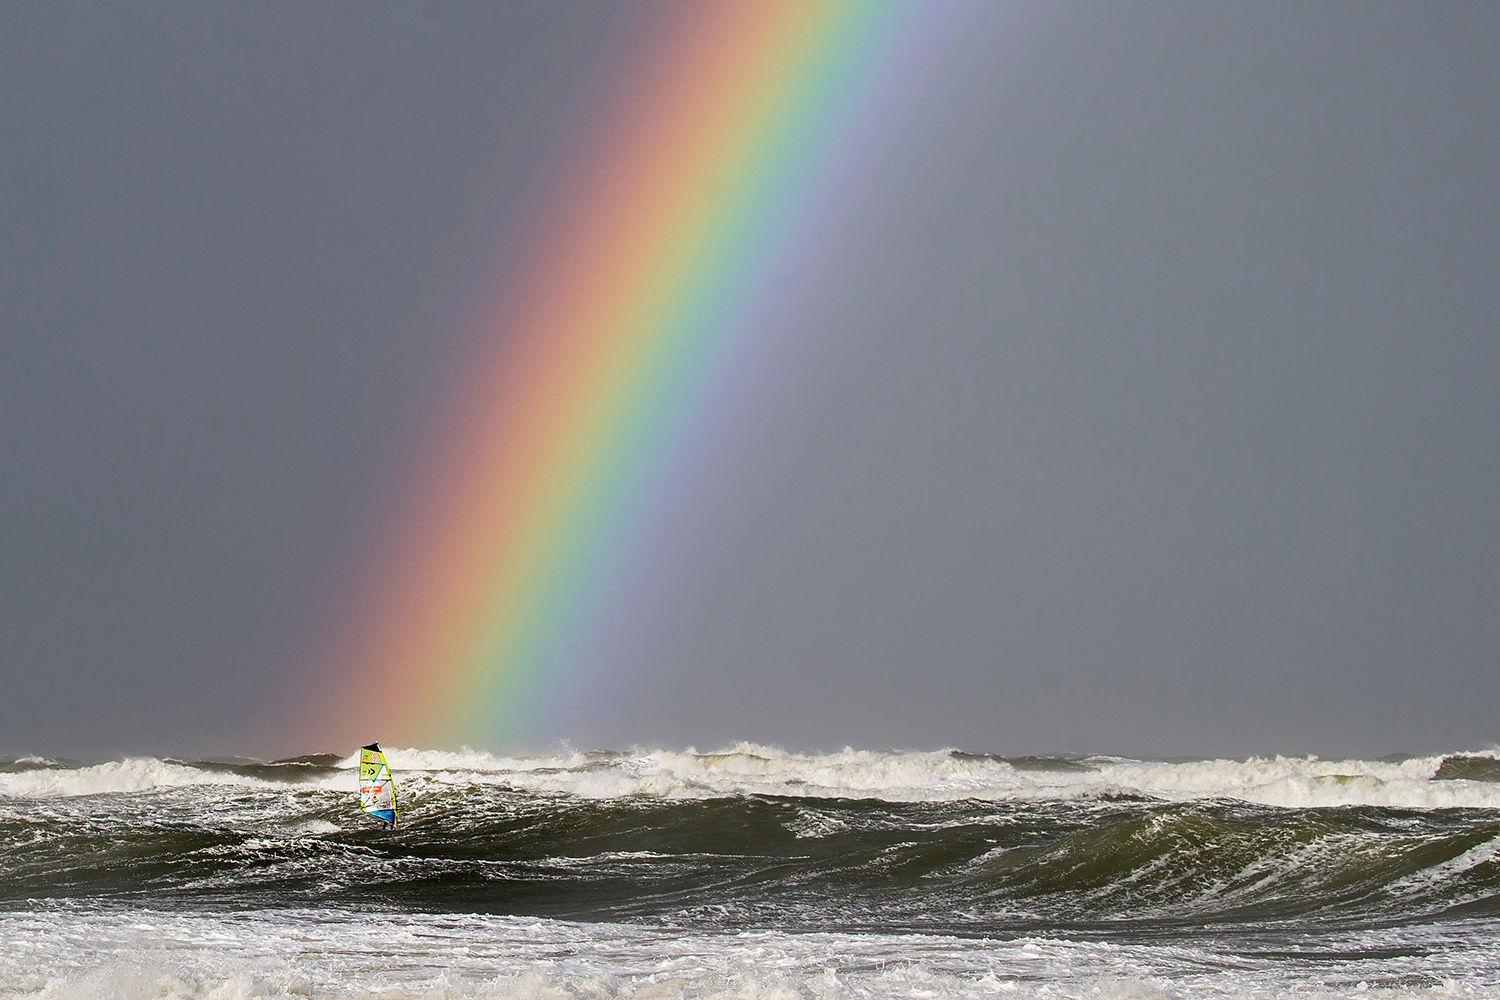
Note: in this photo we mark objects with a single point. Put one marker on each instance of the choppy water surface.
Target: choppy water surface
(752, 872)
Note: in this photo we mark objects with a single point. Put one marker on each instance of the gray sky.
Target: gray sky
(1158, 414)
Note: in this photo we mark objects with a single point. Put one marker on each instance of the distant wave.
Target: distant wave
(1460, 780)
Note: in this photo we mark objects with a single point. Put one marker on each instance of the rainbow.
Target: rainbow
(695, 196)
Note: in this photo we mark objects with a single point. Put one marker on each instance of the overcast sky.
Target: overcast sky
(1157, 412)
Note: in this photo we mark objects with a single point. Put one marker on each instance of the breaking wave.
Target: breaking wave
(1457, 781)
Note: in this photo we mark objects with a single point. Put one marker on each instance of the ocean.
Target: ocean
(752, 872)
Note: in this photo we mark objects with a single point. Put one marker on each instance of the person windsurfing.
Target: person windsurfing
(377, 792)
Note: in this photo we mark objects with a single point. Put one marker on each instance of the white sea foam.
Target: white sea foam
(898, 776)
(1301, 782)
(314, 827)
(133, 774)
(1294, 782)
(71, 954)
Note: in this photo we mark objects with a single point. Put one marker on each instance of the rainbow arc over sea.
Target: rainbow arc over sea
(699, 201)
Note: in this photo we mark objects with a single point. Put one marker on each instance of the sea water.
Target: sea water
(751, 872)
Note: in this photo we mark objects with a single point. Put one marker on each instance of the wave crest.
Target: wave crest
(1453, 781)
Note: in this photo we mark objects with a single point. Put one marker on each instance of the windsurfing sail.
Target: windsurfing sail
(377, 792)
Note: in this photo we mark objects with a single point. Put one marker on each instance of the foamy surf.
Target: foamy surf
(333, 955)
(887, 775)
(136, 774)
